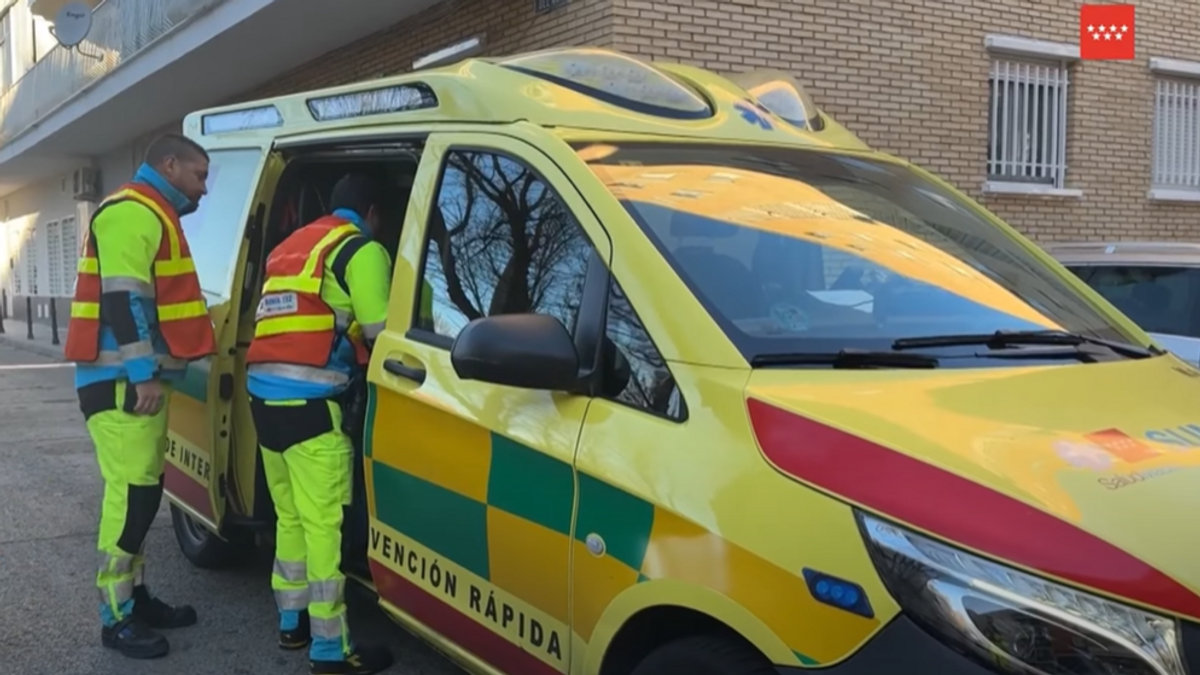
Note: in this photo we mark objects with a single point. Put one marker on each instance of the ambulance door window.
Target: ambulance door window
(500, 242)
(214, 230)
(636, 374)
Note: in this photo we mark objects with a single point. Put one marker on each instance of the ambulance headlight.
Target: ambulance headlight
(1013, 622)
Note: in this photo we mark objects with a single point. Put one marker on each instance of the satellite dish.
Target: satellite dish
(72, 24)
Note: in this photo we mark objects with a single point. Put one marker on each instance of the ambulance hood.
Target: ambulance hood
(1088, 472)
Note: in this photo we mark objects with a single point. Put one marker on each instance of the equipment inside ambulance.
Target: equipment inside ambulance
(680, 377)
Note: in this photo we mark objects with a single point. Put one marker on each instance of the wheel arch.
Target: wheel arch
(619, 635)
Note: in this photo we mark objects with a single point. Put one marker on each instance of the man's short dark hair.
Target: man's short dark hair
(357, 192)
(174, 145)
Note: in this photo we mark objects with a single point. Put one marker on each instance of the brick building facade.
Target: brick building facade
(911, 77)
(990, 95)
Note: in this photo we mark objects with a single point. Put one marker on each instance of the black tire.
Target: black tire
(205, 549)
(705, 655)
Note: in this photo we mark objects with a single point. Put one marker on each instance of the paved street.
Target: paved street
(49, 495)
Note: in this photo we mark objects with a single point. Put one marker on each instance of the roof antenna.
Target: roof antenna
(71, 27)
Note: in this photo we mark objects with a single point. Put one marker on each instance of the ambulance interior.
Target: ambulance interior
(301, 196)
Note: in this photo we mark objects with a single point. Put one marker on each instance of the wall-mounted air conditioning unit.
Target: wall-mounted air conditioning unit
(85, 184)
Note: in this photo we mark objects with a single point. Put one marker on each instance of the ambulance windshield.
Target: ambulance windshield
(796, 251)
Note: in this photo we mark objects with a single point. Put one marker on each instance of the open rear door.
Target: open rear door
(242, 176)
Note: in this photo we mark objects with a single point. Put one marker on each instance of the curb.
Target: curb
(35, 346)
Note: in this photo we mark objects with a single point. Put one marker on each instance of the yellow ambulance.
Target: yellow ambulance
(680, 377)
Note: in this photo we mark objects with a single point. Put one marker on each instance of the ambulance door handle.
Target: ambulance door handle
(225, 386)
(397, 368)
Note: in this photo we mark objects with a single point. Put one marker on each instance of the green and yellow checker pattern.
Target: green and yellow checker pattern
(645, 542)
(502, 511)
(499, 510)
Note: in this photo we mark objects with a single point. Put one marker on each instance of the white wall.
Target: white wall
(117, 166)
(27, 214)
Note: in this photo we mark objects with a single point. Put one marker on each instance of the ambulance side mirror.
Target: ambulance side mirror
(530, 351)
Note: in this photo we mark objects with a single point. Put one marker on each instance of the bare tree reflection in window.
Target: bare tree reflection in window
(650, 385)
(501, 242)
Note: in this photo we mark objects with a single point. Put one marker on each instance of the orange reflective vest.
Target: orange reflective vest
(294, 325)
(183, 320)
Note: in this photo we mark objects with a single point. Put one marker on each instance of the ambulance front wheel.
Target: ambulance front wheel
(705, 655)
(204, 549)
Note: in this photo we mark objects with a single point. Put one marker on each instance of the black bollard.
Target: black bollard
(3, 308)
(53, 323)
(29, 317)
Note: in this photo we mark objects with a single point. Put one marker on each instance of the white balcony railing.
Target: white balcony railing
(120, 29)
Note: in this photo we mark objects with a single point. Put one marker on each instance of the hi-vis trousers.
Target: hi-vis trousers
(307, 461)
(130, 450)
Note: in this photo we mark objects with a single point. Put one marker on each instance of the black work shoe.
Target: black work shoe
(158, 614)
(298, 637)
(363, 661)
(134, 639)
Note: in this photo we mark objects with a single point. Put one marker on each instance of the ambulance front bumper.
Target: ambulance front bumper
(901, 648)
(904, 648)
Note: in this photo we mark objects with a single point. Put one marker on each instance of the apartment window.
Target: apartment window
(16, 261)
(1027, 123)
(1175, 153)
(54, 257)
(69, 247)
(29, 262)
(1176, 135)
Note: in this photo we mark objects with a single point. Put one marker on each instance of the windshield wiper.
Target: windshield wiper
(1008, 338)
(1083, 352)
(848, 359)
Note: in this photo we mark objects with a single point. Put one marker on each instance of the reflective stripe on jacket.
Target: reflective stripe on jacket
(182, 313)
(295, 328)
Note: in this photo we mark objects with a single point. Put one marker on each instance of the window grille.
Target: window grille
(1176, 161)
(54, 257)
(70, 255)
(1027, 125)
(16, 260)
(29, 258)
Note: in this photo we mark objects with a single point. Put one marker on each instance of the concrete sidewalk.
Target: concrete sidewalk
(16, 335)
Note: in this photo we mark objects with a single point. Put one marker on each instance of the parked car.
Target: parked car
(1157, 284)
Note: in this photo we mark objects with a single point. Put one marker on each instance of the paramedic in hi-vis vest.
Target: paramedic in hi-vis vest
(137, 319)
(324, 301)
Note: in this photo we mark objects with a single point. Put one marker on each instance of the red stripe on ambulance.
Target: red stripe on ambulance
(456, 626)
(962, 511)
(187, 490)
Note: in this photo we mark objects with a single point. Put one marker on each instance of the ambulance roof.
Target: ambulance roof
(570, 89)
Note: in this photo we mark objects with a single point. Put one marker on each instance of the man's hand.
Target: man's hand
(149, 397)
